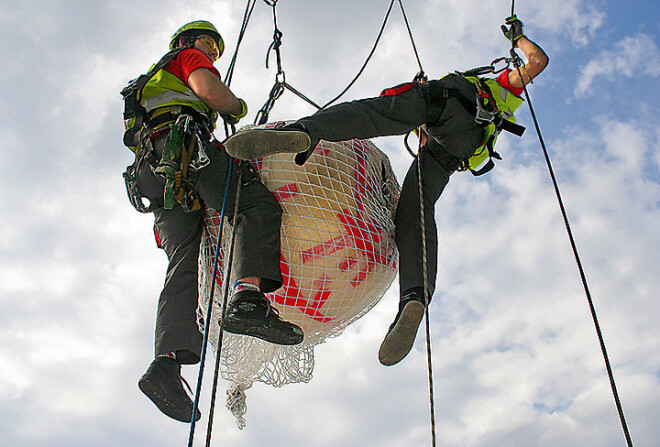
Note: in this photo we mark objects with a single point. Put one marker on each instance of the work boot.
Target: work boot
(162, 383)
(257, 143)
(402, 332)
(250, 313)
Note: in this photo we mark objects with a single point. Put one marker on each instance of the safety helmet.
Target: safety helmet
(196, 28)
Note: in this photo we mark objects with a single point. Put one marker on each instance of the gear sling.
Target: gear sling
(183, 151)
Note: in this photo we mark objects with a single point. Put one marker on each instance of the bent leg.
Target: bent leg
(257, 247)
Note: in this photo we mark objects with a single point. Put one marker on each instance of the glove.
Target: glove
(421, 77)
(234, 119)
(515, 29)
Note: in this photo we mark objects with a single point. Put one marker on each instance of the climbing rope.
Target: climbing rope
(517, 63)
(277, 91)
(427, 298)
(225, 293)
(207, 317)
(371, 53)
(412, 39)
(427, 325)
(249, 8)
(280, 79)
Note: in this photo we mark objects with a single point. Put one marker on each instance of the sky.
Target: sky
(516, 359)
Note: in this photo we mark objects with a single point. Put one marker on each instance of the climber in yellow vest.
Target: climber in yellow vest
(460, 117)
(180, 169)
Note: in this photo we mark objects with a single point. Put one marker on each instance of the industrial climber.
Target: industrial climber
(460, 116)
(170, 113)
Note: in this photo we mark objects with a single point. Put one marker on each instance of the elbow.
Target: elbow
(544, 60)
(537, 63)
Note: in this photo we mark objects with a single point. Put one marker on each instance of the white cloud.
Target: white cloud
(632, 57)
(576, 20)
(516, 361)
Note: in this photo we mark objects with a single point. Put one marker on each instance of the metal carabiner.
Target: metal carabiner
(202, 157)
(497, 61)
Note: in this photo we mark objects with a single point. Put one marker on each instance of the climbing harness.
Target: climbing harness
(136, 121)
(518, 63)
(492, 107)
(184, 151)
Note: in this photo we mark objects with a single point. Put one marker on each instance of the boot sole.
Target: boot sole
(257, 143)
(165, 405)
(266, 332)
(399, 340)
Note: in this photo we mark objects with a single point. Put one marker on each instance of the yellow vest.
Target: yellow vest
(165, 90)
(506, 104)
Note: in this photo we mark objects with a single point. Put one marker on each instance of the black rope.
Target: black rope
(249, 8)
(207, 318)
(277, 39)
(427, 319)
(280, 79)
(592, 308)
(412, 40)
(422, 224)
(364, 66)
(225, 295)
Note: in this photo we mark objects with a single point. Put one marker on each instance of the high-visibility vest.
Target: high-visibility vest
(506, 104)
(165, 90)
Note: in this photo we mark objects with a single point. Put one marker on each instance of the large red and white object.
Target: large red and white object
(338, 258)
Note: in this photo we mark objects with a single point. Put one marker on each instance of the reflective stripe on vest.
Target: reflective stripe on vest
(166, 90)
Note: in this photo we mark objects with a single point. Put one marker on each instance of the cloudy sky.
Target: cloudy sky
(515, 353)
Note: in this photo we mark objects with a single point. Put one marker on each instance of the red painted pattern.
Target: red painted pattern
(359, 231)
(292, 296)
(286, 192)
(324, 249)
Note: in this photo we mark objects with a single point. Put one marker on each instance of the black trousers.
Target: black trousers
(453, 131)
(256, 250)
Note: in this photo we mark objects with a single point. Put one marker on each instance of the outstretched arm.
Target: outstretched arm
(537, 60)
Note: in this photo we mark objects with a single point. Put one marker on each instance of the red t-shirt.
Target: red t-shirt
(188, 61)
(503, 80)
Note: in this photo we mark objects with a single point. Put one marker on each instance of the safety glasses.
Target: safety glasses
(212, 45)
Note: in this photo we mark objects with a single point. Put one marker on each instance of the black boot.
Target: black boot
(257, 143)
(250, 313)
(401, 335)
(162, 383)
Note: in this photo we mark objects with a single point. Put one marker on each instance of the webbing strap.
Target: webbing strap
(132, 106)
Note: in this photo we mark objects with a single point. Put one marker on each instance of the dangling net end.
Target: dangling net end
(237, 403)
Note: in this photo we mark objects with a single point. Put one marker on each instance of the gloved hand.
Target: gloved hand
(234, 119)
(229, 119)
(515, 29)
(421, 77)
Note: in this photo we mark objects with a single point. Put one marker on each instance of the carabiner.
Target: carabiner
(497, 61)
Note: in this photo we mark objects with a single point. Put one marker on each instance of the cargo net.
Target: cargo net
(338, 259)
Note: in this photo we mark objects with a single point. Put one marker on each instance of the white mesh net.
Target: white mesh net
(338, 259)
